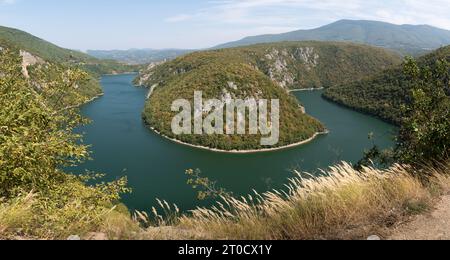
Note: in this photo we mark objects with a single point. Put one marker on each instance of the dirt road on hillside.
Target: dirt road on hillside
(432, 226)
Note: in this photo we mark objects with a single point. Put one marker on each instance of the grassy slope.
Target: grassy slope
(384, 94)
(343, 204)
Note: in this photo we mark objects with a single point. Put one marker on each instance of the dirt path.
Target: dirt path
(431, 226)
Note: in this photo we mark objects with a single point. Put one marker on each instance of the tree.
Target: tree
(36, 135)
(37, 142)
(425, 134)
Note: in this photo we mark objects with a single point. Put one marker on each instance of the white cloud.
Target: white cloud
(312, 13)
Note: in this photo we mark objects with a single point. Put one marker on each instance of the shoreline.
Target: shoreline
(215, 150)
(305, 89)
(93, 99)
(312, 138)
(118, 74)
(85, 102)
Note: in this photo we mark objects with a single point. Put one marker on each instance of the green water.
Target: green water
(155, 167)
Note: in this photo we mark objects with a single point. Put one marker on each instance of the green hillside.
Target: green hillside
(43, 75)
(48, 60)
(46, 50)
(384, 94)
(16, 39)
(214, 79)
(292, 65)
(261, 71)
(406, 39)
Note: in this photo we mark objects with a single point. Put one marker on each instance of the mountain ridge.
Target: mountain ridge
(293, 65)
(139, 56)
(13, 38)
(38, 46)
(406, 39)
(42, 60)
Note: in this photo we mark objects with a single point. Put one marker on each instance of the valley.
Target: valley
(122, 145)
(329, 133)
(257, 72)
(138, 56)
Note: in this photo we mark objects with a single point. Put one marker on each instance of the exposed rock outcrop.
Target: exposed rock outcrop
(29, 59)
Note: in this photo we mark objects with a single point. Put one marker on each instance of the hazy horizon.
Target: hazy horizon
(176, 24)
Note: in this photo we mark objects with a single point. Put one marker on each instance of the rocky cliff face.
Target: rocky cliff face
(280, 61)
(29, 59)
(295, 65)
(146, 74)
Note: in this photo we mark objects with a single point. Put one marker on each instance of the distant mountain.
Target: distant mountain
(138, 56)
(406, 39)
(20, 40)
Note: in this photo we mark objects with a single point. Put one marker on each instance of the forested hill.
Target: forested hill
(383, 94)
(406, 39)
(42, 75)
(292, 65)
(264, 71)
(17, 39)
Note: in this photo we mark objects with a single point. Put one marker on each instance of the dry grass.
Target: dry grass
(15, 214)
(24, 218)
(344, 204)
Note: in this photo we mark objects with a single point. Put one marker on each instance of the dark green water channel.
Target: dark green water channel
(155, 167)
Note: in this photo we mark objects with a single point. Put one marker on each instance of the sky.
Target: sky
(195, 24)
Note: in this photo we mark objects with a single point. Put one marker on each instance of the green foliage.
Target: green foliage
(16, 39)
(212, 78)
(36, 136)
(37, 142)
(13, 38)
(384, 94)
(47, 80)
(425, 133)
(207, 189)
(375, 156)
(294, 65)
(264, 71)
(425, 126)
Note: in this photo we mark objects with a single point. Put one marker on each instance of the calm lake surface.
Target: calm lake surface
(123, 146)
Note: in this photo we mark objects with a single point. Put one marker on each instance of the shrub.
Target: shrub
(424, 135)
(37, 143)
